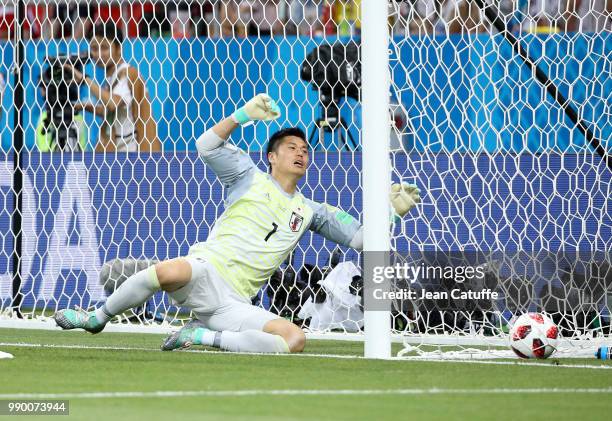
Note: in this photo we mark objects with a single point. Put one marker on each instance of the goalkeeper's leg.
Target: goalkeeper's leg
(277, 336)
(170, 275)
(243, 327)
(228, 320)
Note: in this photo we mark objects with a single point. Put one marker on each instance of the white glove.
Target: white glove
(404, 197)
(260, 107)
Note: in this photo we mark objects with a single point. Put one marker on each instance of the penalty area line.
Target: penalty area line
(305, 392)
(518, 363)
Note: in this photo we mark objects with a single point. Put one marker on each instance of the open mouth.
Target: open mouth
(299, 164)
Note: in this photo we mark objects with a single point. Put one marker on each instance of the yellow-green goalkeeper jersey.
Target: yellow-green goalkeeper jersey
(261, 223)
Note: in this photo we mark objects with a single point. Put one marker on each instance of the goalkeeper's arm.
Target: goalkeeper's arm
(343, 229)
(260, 107)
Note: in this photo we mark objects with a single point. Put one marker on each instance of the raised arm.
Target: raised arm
(216, 136)
(260, 107)
(229, 163)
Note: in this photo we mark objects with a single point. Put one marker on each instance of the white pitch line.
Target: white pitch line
(304, 355)
(304, 392)
(194, 351)
(517, 363)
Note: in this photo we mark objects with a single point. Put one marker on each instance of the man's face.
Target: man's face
(291, 157)
(104, 52)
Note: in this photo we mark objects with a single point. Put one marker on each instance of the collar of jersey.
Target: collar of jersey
(278, 186)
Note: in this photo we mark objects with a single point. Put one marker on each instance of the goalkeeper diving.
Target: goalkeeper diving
(265, 216)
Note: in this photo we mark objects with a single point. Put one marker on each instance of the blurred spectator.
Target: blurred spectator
(205, 17)
(177, 19)
(124, 105)
(239, 18)
(182, 24)
(441, 16)
(462, 16)
(318, 17)
(261, 17)
(302, 17)
(7, 17)
(545, 16)
(72, 19)
(347, 17)
(229, 19)
(151, 20)
(180, 18)
(414, 17)
(110, 11)
(589, 15)
(136, 15)
(326, 14)
(35, 24)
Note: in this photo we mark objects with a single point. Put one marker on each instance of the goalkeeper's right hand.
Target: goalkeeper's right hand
(260, 107)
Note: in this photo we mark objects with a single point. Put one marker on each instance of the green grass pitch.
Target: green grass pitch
(180, 385)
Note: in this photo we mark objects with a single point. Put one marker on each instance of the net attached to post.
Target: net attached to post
(512, 185)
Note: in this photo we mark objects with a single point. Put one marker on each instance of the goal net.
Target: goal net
(511, 183)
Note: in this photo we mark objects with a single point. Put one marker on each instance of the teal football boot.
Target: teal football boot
(185, 337)
(78, 319)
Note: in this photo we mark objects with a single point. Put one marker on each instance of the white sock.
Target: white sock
(134, 291)
(246, 341)
(206, 337)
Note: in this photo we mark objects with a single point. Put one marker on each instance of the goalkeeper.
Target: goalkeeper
(264, 218)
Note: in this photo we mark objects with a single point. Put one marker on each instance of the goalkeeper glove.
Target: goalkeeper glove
(404, 197)
(260, 107)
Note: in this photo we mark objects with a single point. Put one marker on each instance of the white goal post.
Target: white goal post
(498, 112)
(376, 173)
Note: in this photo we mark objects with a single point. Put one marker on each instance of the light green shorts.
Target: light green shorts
(215, 303)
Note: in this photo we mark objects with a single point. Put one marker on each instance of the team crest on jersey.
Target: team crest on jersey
(295, 222)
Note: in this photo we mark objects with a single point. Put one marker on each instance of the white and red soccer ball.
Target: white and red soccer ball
(534, 335)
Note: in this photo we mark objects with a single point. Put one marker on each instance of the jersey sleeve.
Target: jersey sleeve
(333, 223)
(229, 163)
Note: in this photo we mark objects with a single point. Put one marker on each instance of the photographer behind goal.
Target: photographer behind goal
(60, 126)
(123, 104)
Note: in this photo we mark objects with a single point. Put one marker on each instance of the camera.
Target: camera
(61, 91)
(288, 290)
(334, 70)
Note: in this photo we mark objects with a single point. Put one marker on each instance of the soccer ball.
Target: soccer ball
(534, 335)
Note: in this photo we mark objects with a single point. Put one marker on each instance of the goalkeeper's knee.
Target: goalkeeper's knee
(296, 341)
(292, 334)
(173, 274)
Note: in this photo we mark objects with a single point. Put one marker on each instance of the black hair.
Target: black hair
(281, 134)
(276, 138)
(108, 30)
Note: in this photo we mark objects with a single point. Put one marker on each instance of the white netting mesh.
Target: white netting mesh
(501, 166)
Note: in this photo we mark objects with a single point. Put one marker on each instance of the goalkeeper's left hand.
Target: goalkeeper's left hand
(260, 107)
(404, 197)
